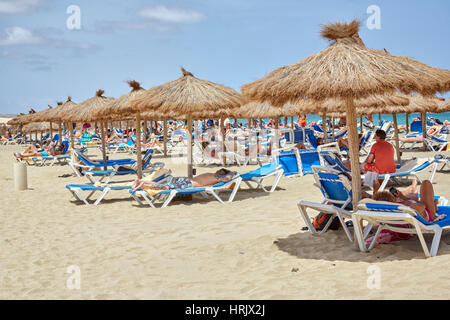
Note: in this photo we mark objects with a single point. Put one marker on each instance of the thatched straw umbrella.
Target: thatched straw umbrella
(188, 96)
(57, 116)
(85, 112)
(347, 70)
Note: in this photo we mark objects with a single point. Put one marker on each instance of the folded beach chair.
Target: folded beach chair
(258, 175)
(77, 189)
(124, 169)
(337, 193)
(151, 196)
(387, 215)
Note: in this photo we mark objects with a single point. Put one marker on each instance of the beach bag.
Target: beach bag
(321, 220)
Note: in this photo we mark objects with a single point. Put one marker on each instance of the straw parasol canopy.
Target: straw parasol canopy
(36, 127)
(338, 104)
(188, 95)
(47, 114)
(346, 69)
(22, 119)
(121, 107)
(60, 110)
(85, 111)
(254, 110)
(443, 106)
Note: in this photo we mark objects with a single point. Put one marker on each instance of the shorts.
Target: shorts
(179, 183)
(44, 153)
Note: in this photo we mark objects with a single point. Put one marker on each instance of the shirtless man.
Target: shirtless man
(202, 180)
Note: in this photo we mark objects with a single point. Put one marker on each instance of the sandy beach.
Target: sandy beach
(252, 248)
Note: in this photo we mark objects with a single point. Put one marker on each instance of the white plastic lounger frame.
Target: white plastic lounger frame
(205, 191)
(429, 164)
(278, 173)
(337, 208)
(387, 215)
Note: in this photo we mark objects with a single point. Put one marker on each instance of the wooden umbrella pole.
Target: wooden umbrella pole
(360, 124)
(354, 151)
(189, 151)
(397, 144)
(277, 141)
(324, 128)
(51, 130)
(222, 141)
(407, 123)
(138, 145)
(102, 128)
(332, 129)
(60, 132)
(72, 137)
(292, 123)
(379, 116)
(165, 137)
(424, 129)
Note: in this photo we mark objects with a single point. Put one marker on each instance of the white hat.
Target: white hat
(226, 122)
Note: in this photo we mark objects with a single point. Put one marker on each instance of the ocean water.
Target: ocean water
(401, 118)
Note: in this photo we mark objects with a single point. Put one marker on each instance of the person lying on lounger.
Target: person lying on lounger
(7, 136)
(433, 131)
(426, 206)
(202, 180)
(33, 151)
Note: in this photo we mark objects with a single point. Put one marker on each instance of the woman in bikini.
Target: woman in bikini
(426, 207)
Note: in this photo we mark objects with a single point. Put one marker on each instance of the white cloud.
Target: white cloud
(17, 6)
(18, 36)
(162, 13)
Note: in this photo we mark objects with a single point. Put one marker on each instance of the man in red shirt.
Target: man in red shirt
(381, 157)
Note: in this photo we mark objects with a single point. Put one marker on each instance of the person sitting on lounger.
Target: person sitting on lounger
(433, 131)
(153, 141)
(381, 156)
(202, 180)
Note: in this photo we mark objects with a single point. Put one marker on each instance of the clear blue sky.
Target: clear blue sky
(231, 42)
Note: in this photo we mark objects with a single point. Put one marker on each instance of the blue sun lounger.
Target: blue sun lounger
(337, 199)
(77, 189)
(122, 169)
(167, 195)
(258, 175)
(389, 216)
(88, 164)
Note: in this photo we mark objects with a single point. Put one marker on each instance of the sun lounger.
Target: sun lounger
(389, 216)
(167, 195)
(85, 163)
(410, 168)
(77, 189)
(336, 189)
(124, 169)
(259, 175)
(436, 144)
